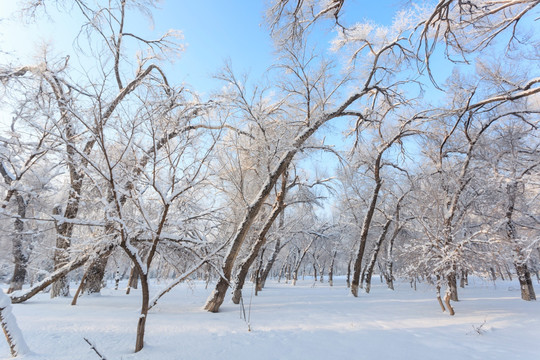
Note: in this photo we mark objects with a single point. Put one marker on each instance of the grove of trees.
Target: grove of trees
(110, 170)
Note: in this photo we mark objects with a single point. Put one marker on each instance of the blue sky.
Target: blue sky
(214, 31)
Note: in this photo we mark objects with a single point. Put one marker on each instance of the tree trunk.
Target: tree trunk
(447, 298)
(61, 256)
(20, 248)
(270, 263)
(349, 272)
(258, 273)
(218, 295)
(244, 266)
(141, 325)
(277, 248)
(79, 289)
(19, 275)
(389, 275)
(363, 277)
(331, 270)
(508, 272)
(389, 256)
(452, 286)
(91, 282)
(523, 273)
(525, 282)
(288, 273)
(281, 271)
(96, 274)
(373, 260)
(365, 230)
(439, 299)
(463, 279)
(133, 281)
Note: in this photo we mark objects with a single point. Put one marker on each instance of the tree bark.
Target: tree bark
(452, 286)
(447, 298)
(244, 266)
(525, 282)
(141, 324)
(133, 281)
(439, 299)
(61, 256)
(349, 272)
(20, 251)
(365, 228)
(19, 246)
(258, 273)
(523, 273)
(270, 263)
(331, 270)
(373, 260)
(96, 274)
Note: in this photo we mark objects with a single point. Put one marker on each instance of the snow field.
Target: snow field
(306, 321)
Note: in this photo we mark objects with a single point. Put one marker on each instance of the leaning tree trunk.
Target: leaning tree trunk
(301, 255)
(365, 229)
(389, 272)
(373, 260)
(246, 263)
(91, 281)
(258, 272)
(215, 300)
(21, 296)
(96, 271)
(96, 274)
(270, 263)
(277, 248)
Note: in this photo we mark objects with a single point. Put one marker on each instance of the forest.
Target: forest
(349, 159)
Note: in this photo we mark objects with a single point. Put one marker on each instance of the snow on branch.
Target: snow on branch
(185, 275)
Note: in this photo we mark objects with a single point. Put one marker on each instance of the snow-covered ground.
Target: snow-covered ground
(306, 321)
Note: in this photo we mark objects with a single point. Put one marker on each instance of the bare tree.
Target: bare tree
(512, 153)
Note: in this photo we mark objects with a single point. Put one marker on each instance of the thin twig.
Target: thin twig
(93, 347)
